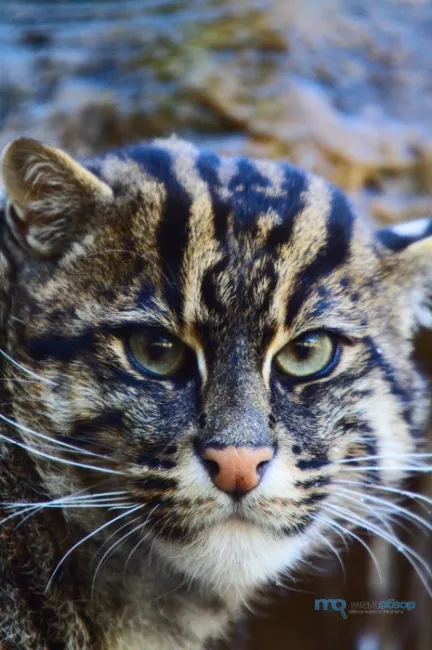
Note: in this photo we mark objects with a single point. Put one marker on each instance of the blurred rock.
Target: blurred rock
(341, 88)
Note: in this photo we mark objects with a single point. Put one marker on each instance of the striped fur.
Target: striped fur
(236, 258)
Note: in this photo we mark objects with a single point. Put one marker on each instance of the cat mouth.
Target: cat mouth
(239, 516)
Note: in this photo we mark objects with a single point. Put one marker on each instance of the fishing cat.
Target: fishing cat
(207, 377)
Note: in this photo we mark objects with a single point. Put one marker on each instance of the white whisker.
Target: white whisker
(62, 503)
(139, 543)
(386, 488)
(15, 514)
(388, 468)
(120, 528)
(49, 439)
(109, 497)
(392, 507)
(27, 370)
(87, 537)
(411, 555)
(59, 460)
(346, 531)
(113, 546)
(386, 457)
(334, 550)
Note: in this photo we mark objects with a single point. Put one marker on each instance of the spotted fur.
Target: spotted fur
(235, 257)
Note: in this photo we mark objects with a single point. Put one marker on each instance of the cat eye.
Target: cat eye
(311, 355)
(158, 354)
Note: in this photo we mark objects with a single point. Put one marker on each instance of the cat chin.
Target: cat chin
(234, 558)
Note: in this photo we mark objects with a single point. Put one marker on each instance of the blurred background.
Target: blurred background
(341, 87)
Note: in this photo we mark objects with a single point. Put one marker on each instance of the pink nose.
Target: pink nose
(236, 470)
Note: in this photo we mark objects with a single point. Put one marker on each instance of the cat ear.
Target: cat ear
(407, 255)
(48, 194)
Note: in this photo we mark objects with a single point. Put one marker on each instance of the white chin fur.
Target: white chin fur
(234, 557)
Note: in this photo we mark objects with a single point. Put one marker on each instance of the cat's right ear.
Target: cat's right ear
(406, 258)
(48, 194)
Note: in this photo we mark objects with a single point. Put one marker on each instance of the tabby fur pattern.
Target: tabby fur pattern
(98, 462)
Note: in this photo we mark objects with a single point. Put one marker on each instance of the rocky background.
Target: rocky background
(341, 87)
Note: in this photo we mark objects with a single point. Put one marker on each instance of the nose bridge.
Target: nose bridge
(235, 409)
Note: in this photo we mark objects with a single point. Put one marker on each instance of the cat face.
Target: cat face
(221, 342)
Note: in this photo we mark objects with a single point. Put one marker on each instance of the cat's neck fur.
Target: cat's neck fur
(150, 601)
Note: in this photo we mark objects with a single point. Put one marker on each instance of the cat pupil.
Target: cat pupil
(304, 350)
(156, 350)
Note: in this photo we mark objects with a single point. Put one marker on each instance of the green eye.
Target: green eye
(309, 355)
(157, 354)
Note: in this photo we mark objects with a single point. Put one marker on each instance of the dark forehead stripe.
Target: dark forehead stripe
(287, 204)
(295, 186)
(208, 165)
(250, 198)
(210, 286)
(255, 294)
(172, 234)
(248, 186)
(332, 254)
(248, 175)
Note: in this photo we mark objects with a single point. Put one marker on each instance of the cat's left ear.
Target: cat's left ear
(406, 251)
(49, 195)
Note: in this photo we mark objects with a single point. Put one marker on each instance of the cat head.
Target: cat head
(221, 343)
